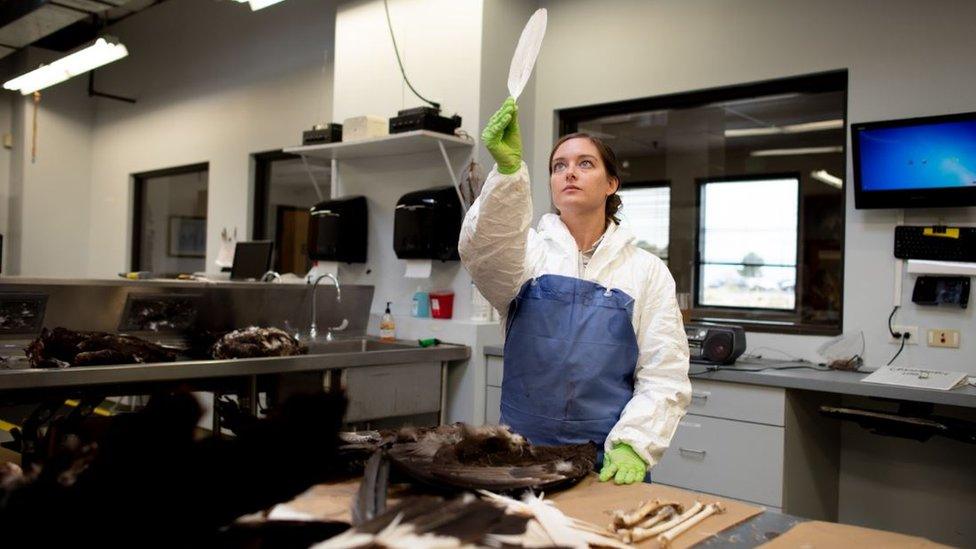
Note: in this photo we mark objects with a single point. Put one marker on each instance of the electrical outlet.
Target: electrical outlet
(913, 330)
(944, 338)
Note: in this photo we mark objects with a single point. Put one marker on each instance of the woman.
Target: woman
(594, 347)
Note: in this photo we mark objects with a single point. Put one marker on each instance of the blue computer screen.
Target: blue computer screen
(925, 156)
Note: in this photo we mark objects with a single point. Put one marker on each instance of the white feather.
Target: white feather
(526, 52)
(557, 525)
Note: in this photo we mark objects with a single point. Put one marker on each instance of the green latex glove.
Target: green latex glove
(503, 139)
(623, 465)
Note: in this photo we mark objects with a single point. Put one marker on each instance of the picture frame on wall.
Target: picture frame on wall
(187, 236)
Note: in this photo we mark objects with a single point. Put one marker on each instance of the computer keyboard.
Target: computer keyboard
(935, 243)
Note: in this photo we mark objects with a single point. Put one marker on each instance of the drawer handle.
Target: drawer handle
(690, 451)
(703, 395)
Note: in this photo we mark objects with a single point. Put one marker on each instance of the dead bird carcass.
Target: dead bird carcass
(61, 348)
(257, 342)
(490, 458)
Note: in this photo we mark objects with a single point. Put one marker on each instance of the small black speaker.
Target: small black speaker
(715, 343)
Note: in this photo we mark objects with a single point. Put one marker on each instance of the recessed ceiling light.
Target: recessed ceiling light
(799, 150)
(817, 126)
(828, 178)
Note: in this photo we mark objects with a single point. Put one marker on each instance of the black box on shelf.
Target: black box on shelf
(330, 133)
(424, 118)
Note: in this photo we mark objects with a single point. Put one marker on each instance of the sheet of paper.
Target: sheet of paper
(418, 268)
(922, 378)
(225, 254)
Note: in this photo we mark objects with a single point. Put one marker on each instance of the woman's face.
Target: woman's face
(579, 182)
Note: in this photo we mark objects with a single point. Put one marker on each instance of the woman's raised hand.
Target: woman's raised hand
(503, 139)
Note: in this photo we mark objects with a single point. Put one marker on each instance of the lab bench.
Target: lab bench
(758, 436)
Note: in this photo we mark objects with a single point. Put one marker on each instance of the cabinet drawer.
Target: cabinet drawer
(738, 401)
(396, 390)
(496, 366)
(493, 406)
(729, 458)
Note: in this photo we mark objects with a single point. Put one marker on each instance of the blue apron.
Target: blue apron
(570, 355)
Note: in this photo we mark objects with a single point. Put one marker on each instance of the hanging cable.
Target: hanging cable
(386, 6)
(37, 100)
(890, 329)
(904, 337)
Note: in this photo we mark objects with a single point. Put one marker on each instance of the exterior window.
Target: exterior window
(747, 243)
(646, 211)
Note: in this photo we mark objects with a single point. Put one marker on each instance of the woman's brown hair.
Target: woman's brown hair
(609, 159)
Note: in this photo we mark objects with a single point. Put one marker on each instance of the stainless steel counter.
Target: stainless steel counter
(343, 354)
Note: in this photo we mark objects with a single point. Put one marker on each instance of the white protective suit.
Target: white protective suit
(502, 252)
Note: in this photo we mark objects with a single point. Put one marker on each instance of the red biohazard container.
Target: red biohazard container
(441, 304)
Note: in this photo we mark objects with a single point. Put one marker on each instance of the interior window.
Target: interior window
(170, 220)
(285, 189)
(753, 176)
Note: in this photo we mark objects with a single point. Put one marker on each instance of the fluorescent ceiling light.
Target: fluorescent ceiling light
(789, 128)
(830, 179)
(101, 52)
(260, 4)
(800, 150)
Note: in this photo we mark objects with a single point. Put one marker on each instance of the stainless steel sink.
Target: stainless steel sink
(360, 345)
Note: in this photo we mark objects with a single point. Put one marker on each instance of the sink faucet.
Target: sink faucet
(313, 330)
(271, 276)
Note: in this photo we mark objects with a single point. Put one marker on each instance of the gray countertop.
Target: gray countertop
(827, 381)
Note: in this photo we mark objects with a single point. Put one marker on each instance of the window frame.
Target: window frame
(569, 119)
(139, 181)
(700, 183)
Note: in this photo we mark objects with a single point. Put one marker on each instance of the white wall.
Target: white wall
(440, 44)
(905, 59)
(215, 82)
(48, 214)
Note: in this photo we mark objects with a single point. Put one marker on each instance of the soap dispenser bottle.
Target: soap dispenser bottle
(387, 325)
(421, 303)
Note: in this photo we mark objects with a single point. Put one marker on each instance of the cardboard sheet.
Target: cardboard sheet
(595, 501)
(327, 501)
(825, 535)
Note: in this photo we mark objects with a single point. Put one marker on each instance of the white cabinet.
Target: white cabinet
(763, 445)
(731, 458)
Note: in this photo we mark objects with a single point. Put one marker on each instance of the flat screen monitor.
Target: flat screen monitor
(915, 163)
(251, 259)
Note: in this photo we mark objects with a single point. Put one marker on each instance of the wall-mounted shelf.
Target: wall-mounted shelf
(418, 141)
(399, 144)
(949, 268)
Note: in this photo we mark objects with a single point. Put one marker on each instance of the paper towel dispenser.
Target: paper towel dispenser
(427, 224)
(337, 230)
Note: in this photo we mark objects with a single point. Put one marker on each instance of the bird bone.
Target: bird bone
(637, 535)
(709, 510)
